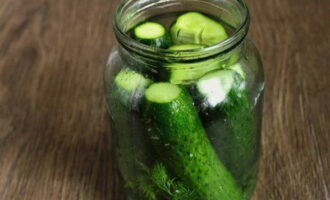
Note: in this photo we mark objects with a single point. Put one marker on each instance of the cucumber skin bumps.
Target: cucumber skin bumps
(236, 142)
(178, 135)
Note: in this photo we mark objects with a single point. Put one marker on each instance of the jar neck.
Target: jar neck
(131, 12)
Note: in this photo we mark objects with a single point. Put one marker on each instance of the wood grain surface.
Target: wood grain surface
(55, 140)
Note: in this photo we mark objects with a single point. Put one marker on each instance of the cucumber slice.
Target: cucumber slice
(196, 28)
(152, 34)
(129, 86)
(165, 92)
(185, 73)
(177, 133)
(130, 80)
(231, 122)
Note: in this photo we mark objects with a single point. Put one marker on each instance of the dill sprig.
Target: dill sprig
(156, 183)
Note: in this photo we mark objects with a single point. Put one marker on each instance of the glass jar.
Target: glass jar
(186, 123)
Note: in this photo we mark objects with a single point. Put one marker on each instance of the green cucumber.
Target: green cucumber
(129, 86)
(152, 34)
(178, 135)
(231, 123)
(185, 73)
(124, 96)
(196, 28)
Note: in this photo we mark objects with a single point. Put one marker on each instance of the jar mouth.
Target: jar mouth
(222, 47)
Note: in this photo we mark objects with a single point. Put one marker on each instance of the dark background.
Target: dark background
(54, 131)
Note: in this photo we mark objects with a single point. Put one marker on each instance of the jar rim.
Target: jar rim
(221, 47)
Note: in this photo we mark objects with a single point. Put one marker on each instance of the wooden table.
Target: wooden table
(54, 131)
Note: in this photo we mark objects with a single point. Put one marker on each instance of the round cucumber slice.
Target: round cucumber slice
(149, 30)
(129, 87)
(152, 34)
(162, 92)
(130, 80)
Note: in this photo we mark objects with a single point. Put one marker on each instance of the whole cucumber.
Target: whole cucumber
(177, 133)
(231, 122)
